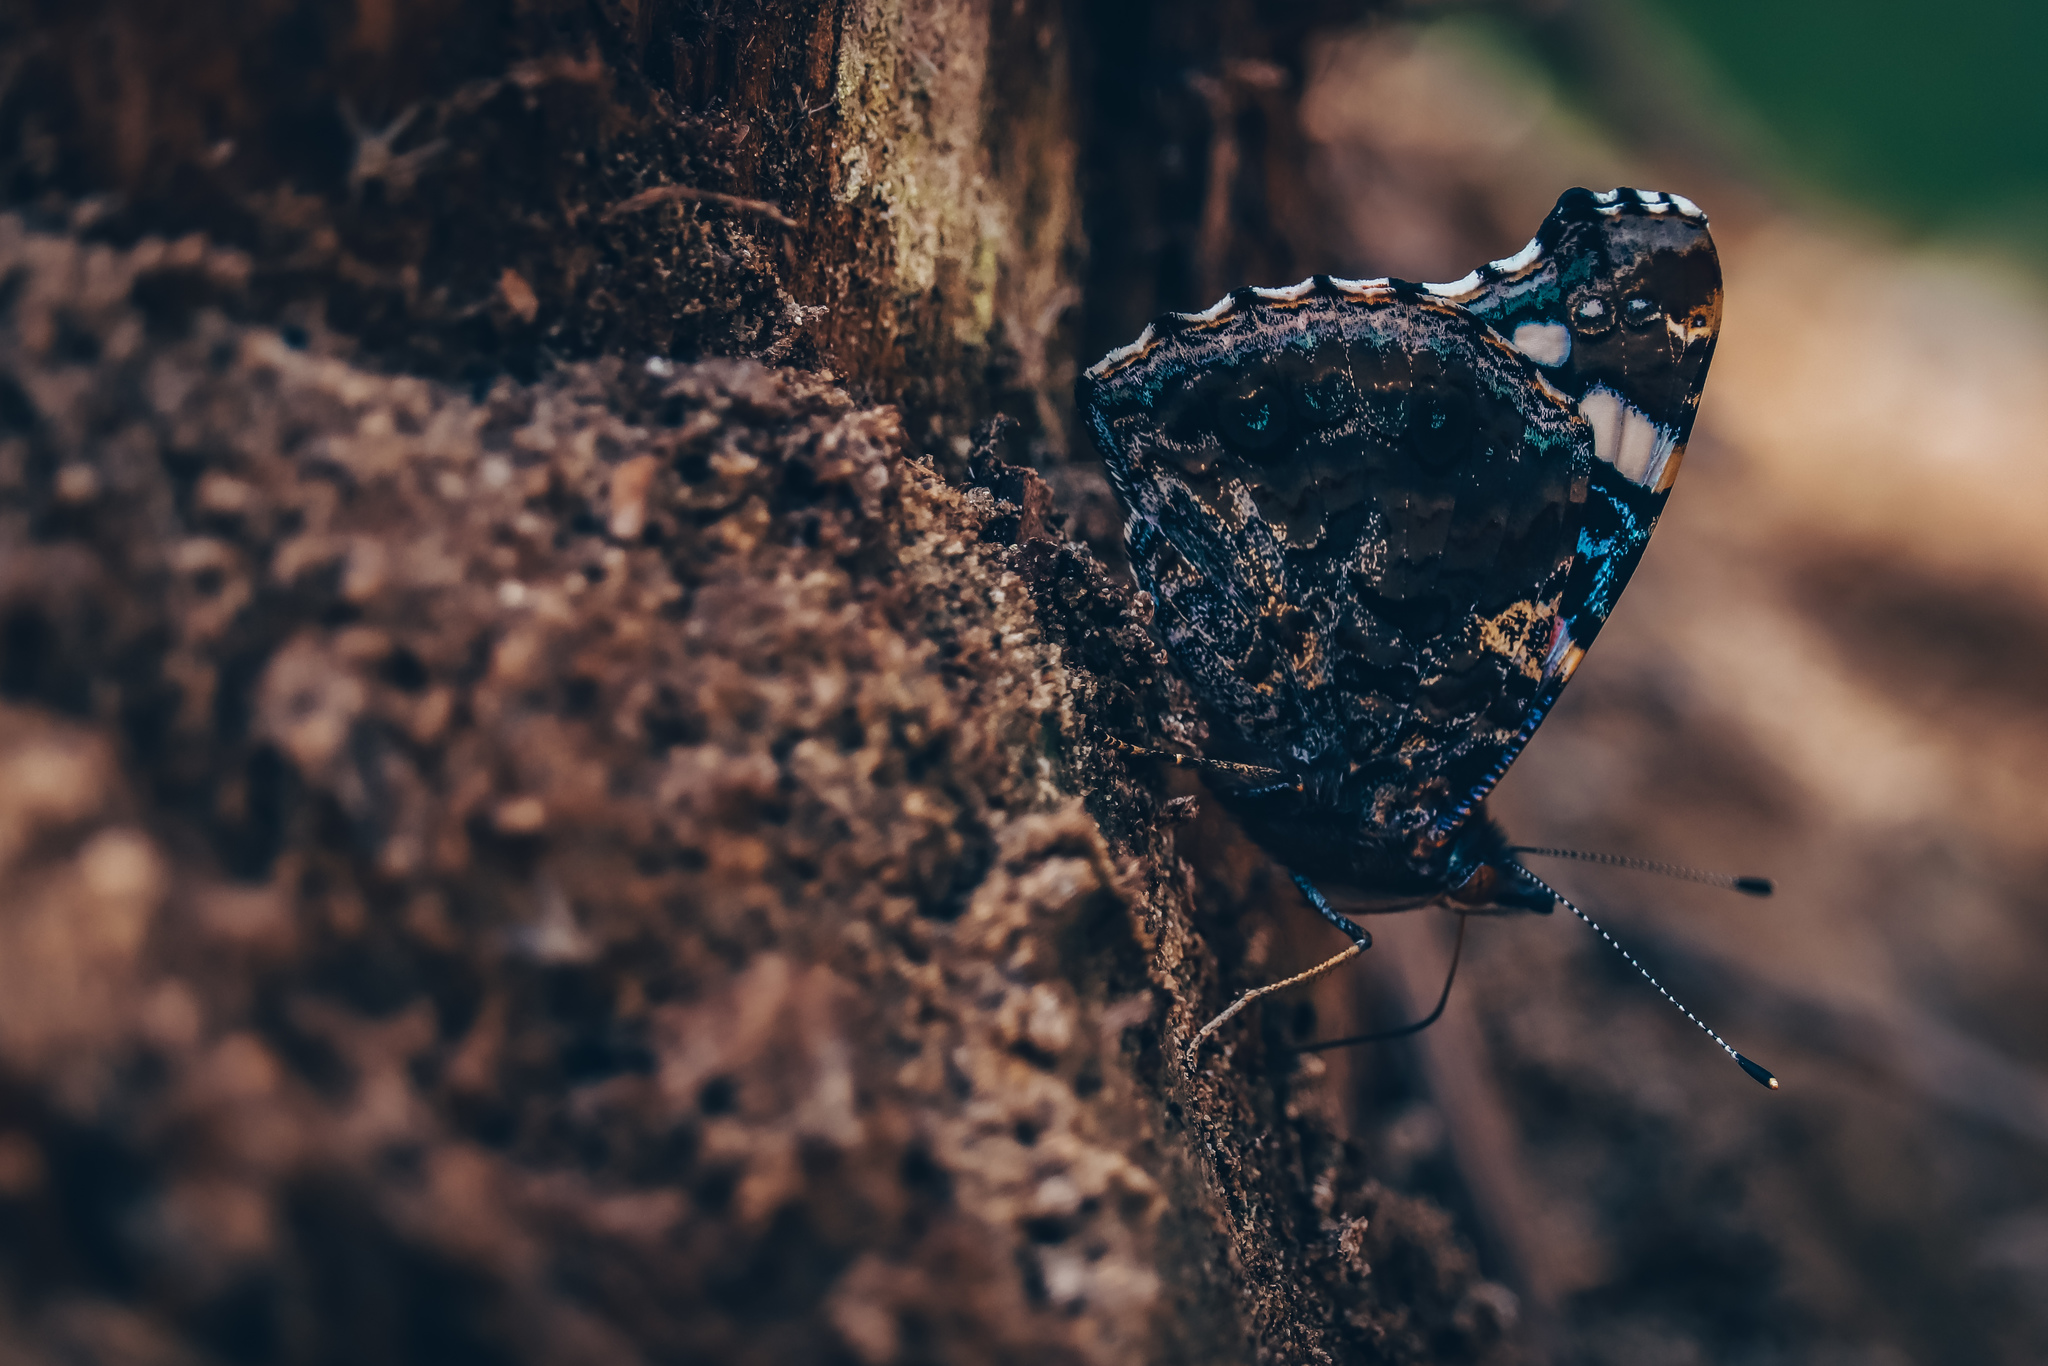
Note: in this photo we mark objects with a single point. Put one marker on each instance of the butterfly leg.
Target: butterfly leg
(1203, 764)
(1443, 999)
(1360, 942)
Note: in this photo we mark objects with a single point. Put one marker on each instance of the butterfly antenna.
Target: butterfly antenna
(1443, 998)
(1748, 886)
(1757, 1071)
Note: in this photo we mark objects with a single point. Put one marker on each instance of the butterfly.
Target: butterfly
(1384, 521)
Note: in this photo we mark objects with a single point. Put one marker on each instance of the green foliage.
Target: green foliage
(1933, 114)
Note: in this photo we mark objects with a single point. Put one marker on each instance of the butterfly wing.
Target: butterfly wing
(1357, 507)
(1383, 521)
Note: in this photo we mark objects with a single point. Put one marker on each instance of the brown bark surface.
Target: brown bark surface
(551, 808)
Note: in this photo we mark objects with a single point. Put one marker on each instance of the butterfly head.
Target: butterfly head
(1485, 877)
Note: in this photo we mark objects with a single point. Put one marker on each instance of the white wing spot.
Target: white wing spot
(1625, 437)
(1362, 287)
(1544, 343)
(1115, 359)
(1286, 294)
(1521, 260)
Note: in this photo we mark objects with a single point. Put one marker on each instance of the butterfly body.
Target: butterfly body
(1382, 522)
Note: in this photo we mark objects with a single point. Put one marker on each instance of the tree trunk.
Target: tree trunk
(554, 808)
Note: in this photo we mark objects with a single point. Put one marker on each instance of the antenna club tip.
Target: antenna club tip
(1757, 1071)
(1754, 886)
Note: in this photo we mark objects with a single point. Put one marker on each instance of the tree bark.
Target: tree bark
(555, 808)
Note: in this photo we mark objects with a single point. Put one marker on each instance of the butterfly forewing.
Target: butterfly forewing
(1617, 299)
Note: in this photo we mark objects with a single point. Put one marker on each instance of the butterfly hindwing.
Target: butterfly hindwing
(1358, 508)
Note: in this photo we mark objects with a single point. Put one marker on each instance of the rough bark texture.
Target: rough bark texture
(527, 841)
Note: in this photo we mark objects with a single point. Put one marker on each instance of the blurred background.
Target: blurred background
(1829, 670)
